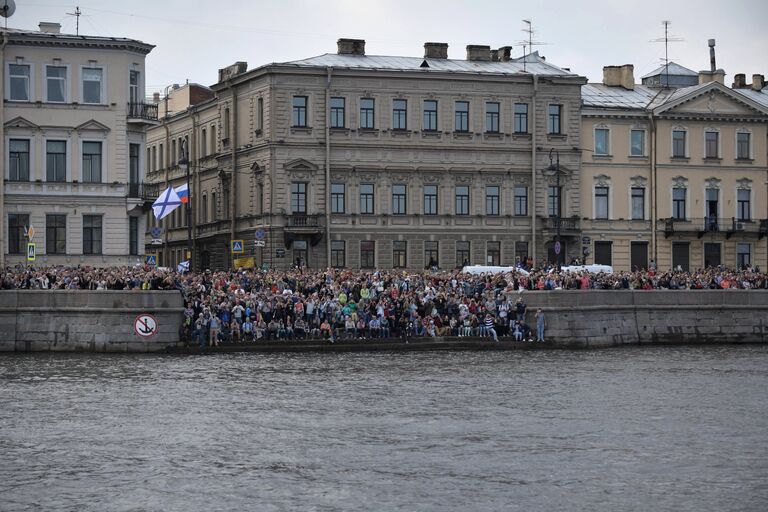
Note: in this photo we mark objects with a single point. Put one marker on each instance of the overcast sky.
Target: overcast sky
(194, 38)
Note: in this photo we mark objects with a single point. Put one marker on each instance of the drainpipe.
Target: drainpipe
(329, 70)
(167, 174)
(233, 181)
(194, 200)
(533, 167)
(654, 191)
(2, 151)
(271, 246)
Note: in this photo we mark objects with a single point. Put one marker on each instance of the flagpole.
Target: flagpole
(188, 210)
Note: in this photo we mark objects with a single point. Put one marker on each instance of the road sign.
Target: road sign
(155, 232)
(260, 234)
(260, 243)
(31, 233)
(145, 325)
(30, 252)
(150, 259)
(156, 241)
(237, 246)
(557, 247)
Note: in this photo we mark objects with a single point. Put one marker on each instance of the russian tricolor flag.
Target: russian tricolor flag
(183, 193)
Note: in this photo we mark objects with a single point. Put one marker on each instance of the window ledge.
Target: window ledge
(493, 136)
(463, 135)
(744, 160)
(339, 130)
(680, 158)
(557, 136)
(521, 136)
(301, 129)
(430, 134)
(638, 157)
(712, 159)
(601, 157)
(367, 131)
(400, 133)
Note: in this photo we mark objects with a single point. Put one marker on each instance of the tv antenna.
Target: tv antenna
(666, 40)
(7, 8)
(77, 15)
(528, 29)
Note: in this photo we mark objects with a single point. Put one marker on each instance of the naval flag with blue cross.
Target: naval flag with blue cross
(167, 202)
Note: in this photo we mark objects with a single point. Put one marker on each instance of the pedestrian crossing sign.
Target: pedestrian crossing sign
(30, 252)
(150, 259)
(237, 246)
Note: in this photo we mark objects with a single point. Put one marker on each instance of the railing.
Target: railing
(146, 191)
(142, 111)
(303, 221)
(726, 225)
(566, 224)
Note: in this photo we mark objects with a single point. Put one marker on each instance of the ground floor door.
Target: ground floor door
(681, 252)
(639, 255)
(712, 256)
(300, 253)
(603, 254)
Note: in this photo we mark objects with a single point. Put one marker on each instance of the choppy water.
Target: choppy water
(669, 428)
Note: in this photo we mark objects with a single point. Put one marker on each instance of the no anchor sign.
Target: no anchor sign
(145, 325)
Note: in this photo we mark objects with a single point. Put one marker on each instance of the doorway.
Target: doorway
(639, 255)
(300, 253)
(712, 257)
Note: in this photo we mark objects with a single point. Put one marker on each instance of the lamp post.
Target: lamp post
(556, 169)
(184, 164)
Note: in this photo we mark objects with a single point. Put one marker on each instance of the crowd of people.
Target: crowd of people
(334, 304)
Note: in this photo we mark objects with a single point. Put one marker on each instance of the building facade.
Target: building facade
(73, 122)
(675, 175)
(351, 160)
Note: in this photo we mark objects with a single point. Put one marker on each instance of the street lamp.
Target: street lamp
(184, 164)
(555, 168)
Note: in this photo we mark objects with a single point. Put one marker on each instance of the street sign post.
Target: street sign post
(557, 247)
(145, 325)
(150, 259)
(31, 251)
(237, 246)
(259, 243)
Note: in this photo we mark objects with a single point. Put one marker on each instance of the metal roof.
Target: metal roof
(21, 36)
(674, 69)
(533, 64)
(760, 97)
(603, 96)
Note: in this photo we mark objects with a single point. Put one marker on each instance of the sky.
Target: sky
(194, 38)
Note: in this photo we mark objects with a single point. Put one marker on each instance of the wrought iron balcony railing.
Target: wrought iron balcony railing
(142, 110)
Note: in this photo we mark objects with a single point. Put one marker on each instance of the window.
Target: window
(492, 110)
(299, 111)
(162, 157)
(400, 114)
(366, 198)
(172, 156)
(133, 87)
(430, 199)
(337, 112)
(521, 118)
(711, 140)
(214, 207)
(743, 255)
(462, 116)
(521, 201)
(213, 138)
(492, 200)
(430, 115)
(678, 143)
(91, 234)
(92, 79)
(462, 253)
(601, 202)
(554, 121)
(225, 128)
(431, 255)
(92, 162)
(637, 143)
(521, 252)
(493, 252)
(133, 169)
(462, 200)
(743, 204)
(337, 197)
(299, 198)
(338, 254)
(638, 203)
(399, 253)
(678, 203)
(17, 231)
(56, 234)
(203, 143)
(398, 199)
(204, 209)
(601, 141)
(367, 113)
(18, 160)
(56, 84)
(56, 160)
(743, 150)
(19, 82)
(260, 115)
(553, 201)
(367, 254)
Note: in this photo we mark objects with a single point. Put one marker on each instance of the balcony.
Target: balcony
(568, 226)
(147, 192)
(303, 223)
(142, 113)
(728, 226)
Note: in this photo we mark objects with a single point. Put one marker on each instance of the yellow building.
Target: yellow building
(674, 175)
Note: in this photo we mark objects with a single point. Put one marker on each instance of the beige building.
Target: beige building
(73, 121)
(677, 174)
(363, 161)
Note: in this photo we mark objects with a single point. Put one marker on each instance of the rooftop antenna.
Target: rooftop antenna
(528, 29)
(666, 40)
(76, 14)
(7, 8)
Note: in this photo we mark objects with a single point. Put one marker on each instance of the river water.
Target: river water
(642, 428)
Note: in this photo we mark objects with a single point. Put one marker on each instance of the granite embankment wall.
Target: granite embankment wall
(595, 318)
(83, 321)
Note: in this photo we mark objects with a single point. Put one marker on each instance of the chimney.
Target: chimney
(739, 81)
(758, 82)
(228, 72)
(505, 53)
(435, 50)
(478, 53)
(155, 98)
(351, 46)
(494, 55)
(619, 76)
(712, 76)
(712, 66)
(49, 27)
